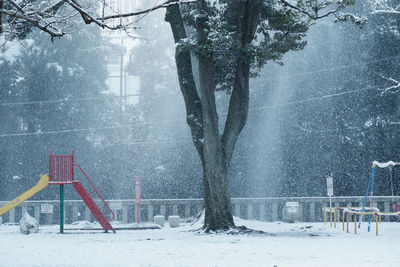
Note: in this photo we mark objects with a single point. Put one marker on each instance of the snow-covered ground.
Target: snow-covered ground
(299, 244)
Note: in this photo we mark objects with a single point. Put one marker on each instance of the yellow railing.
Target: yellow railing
(346, 211)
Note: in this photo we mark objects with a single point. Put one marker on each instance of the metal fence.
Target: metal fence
(264, 209)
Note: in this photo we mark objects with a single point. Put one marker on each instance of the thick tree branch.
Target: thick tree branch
(1, 17)
(206, 79)
(247, 22)
(194, 115)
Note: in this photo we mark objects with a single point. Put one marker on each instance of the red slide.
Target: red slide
(93, 207)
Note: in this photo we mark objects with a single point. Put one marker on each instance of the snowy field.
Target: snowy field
(299, 244)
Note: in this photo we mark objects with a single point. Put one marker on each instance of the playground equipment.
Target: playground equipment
(370, 211)
(42, 184)
(367, 211)
(346, 211)
(370, 188)
(61, 172)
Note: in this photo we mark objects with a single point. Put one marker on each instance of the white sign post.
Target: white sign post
(329, 187)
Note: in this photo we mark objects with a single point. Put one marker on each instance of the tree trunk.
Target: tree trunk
(215, 150)
(218, 207)
(1, 17)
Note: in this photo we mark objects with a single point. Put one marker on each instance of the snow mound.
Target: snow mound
(28, 225)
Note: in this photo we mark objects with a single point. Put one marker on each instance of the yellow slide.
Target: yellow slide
(42, 184)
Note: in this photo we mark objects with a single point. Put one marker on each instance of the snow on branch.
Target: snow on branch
(386, 11)
(319, 9)
(385, 7)
(144, 11)
(56, 16)
(390, 89)
(385, 164)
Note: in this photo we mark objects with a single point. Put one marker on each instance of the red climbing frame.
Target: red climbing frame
(61, 168)
(61, 171)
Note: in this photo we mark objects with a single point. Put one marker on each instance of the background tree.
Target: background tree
(51, 94)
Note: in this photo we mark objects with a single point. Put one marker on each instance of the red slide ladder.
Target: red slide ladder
(61, 171)
(92, 206)
(86, 197)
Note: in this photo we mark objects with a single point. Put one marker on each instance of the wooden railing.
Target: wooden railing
(264, 209)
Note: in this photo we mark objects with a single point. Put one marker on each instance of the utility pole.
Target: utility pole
(121, 70)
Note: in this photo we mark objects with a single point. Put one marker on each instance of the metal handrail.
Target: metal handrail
(95, 190)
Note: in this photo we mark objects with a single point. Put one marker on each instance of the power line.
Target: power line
(62, 131)
(312, 99)
(132, 142)
(62, 100)
(359, 64)
(90, 130)
(144, 142)
(131, 95)
(179, 120)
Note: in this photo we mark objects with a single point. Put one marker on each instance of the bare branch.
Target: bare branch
(144, 11)
(384, 7)
(37, 23)
(313, 11)
(44, 16)
(386, 11)
(390, 89)
(16, 6)
(52, 9)
(314, 16)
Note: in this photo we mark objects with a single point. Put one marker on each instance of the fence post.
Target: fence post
(187, 210)
(124, 213)
(24, 210)
(237, 210)
(274, 211)
(75, 212)
(175, 210)
(337, 204)
(87, 214)
(348, 204)
(199, 208)
(12, 216)
(312, 212)
(49, 218)
(386, 206)
(37, 212)
(262, 212)
(301, 219)
(163, 210)
(250, 211)
(150, 212)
